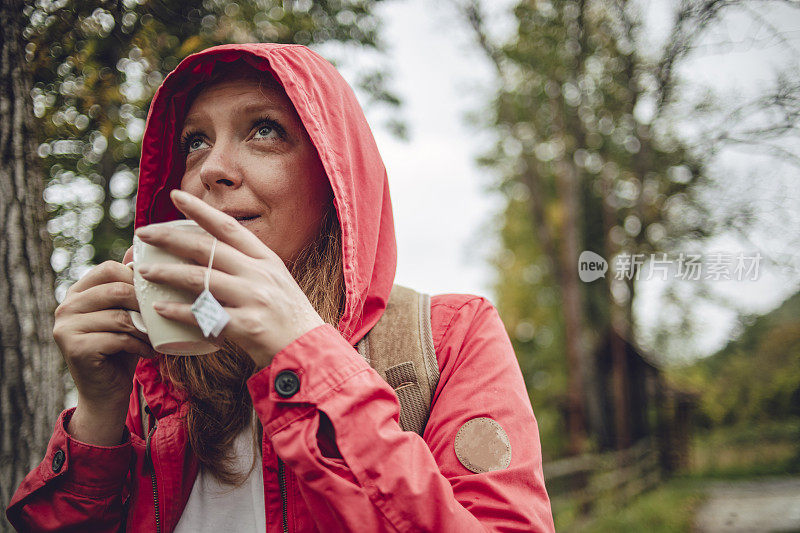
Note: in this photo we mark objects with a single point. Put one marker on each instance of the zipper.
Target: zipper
(149, 462)
(282, 483)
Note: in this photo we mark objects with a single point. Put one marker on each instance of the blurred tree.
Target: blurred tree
(31, 384)
(588, 160)
(96, 67)
(755, 377)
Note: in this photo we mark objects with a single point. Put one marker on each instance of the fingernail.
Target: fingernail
(180, 196)
(144, 269)
(144, 232)
(159, 306)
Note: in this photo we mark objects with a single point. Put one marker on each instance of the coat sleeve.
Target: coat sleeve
(76, 487)
(371, 475)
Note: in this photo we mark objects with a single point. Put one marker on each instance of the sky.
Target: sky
(444, 213)
(441, 210)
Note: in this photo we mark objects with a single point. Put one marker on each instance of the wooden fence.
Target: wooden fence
(585, 480)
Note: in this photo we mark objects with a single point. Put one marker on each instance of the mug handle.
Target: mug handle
(136, 316)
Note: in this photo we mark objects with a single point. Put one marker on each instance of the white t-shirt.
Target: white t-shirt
(213, 507)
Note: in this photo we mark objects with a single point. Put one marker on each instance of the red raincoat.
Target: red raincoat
(373, 476)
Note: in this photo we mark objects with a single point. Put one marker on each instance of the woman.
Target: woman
(274, 157)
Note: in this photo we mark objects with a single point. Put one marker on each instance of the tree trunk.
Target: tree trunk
(618, 332)
(572, 301)
(31, 383)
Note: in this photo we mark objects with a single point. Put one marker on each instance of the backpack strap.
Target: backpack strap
(144, 413)
(400, 348)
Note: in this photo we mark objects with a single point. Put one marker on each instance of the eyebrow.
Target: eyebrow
(246, 111)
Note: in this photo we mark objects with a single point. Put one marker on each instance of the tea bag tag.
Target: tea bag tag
(208, 312)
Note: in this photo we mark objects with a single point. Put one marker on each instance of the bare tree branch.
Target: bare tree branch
(692, 19)
(473, 13)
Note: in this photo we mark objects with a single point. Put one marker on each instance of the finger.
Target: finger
(128, 257)
(181, 312)
(115, 295)
(107, 320)
(224, 227)
(110, 343)
(195, 247)
(227, 289)
(106, 272)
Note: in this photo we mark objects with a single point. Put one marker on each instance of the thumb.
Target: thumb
(128, 256)
(132, 359)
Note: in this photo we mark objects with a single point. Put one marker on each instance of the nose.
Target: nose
(219, 169)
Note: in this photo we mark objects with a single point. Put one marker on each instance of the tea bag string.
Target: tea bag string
(210, 315)
(207, 279)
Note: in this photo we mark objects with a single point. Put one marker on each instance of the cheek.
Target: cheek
(191, 183)
(305, 197)
(187, 184)
(315, 181)
(303, 183)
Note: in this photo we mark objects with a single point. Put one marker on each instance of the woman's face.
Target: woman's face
(248, 154)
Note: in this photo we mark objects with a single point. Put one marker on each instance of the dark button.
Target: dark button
(287, 383)
(58, 460)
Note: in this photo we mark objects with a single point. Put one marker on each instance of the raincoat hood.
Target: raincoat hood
(338, 128)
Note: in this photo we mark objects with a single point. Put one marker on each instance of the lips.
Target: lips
(240, 214)
(245, 221)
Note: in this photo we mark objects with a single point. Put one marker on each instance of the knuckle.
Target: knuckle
(120, 290)
(93, 365)
(70, 291)
(74, 351)
(230, 225)
(62, 309)
(129, 344)
(262, 297)
(200, 249)
(274, 260)
(59, 332)
(251, 324)
(197, 278)
(66, 307)
(122, 318)
(107, 266)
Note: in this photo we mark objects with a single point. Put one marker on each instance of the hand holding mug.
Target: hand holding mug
(166, 336)
(267, 308)
(96, 336)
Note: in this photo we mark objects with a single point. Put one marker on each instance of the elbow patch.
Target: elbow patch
(482, 445)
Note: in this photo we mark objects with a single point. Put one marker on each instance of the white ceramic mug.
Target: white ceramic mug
(166, 336)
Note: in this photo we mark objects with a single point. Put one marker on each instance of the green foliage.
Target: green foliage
(96, 66)
(755, 377)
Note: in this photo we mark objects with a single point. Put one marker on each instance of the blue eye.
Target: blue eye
(267, 127)
(191, 141)
(265, 130)
(195, 144)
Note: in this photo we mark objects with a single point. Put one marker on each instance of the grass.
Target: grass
(666, 509)
(669, 508)
(768, 448)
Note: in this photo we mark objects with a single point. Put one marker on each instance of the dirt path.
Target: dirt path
(767, 505)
